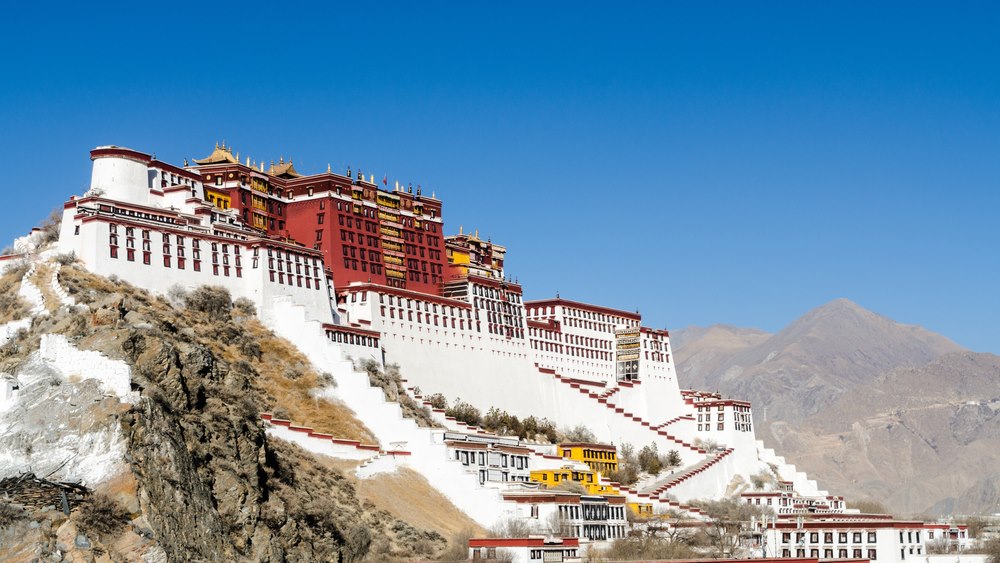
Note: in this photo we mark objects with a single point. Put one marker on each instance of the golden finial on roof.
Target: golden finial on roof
(217, 144)
(281, 159)
(237, 156)
(460, 229)
(371, 178)
(248, 160)
(477, 233)
(328, 169)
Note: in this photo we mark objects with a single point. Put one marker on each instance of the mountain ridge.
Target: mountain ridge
(825, 352)
(871, 407)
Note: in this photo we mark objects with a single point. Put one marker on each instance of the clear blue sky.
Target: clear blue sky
(738, 162)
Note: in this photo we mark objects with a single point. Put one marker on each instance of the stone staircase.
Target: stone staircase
(30, 292)
(660, 504)
(385, 418)
(672, 420)
(664, 485)
(583, 388)
(788, 472)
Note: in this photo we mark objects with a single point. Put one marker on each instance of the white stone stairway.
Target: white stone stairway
(385, 418)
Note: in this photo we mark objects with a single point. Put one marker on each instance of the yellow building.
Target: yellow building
(641, 509)
(602, 458)
(587, 479)
(218, 198)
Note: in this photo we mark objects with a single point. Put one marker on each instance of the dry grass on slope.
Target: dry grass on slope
(286, 379)
(290, 381)
(409, 497)
(42, 279)
(12, 306)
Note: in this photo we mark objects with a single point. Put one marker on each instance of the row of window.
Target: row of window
(492, 458)
(842, 537)
(342, 337)
(459, 324)
(828, 553)
(571, 350)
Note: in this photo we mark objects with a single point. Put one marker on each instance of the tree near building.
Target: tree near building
(731, 522)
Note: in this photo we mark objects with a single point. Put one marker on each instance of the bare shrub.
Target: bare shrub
(761, 479)
(10, 515)
(438, 401)
(245, 306)
(50, 227)
(458, 546)
(214, 301)
(579, 433)
(101, 516)
(510, 528)
(176, 295)
(66, 258)
(464, 412)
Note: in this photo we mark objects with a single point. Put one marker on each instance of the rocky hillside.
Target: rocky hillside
(808, 364)
(926, 439)
(869, 407)
(190, 473)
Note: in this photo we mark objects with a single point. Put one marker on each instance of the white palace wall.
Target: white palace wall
(87, 233)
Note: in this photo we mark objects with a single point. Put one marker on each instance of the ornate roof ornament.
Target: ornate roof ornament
(219, 155)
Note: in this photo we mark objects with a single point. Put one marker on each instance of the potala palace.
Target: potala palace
(350, 269)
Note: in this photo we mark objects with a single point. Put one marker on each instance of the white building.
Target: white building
(494, 459)
(591, 517)
(881, 540)
(525, 550)
(147, 223)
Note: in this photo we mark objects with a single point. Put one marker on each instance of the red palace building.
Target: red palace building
(366, 234)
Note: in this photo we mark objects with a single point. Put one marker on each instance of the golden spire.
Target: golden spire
(460, 229)
(328, 169)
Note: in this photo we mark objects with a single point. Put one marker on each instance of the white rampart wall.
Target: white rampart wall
(320, 446)
(114, 375)
(385, 419)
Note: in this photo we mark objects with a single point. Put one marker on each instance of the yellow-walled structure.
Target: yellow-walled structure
(218, 199)
(588, 479)
(602, 458)
(641, 509)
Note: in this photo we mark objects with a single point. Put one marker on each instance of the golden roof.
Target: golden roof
(219, 155)
(283, 169)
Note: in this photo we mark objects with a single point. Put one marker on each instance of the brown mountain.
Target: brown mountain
(923, 440)
(869, 407)
(807, 365)
(707, 350)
